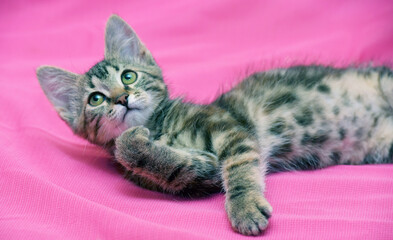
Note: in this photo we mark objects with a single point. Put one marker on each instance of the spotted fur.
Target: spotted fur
(299, 118)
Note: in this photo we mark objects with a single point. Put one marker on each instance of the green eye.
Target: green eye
(96, 99)
(128, 77)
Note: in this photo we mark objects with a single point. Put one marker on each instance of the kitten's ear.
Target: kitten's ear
(121, 42)
(61, 89)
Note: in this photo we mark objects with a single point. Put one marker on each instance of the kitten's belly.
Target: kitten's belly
(321, 128)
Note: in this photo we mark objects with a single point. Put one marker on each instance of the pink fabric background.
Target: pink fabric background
(56, 186)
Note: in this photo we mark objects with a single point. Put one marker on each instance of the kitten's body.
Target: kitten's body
(285, 119)
(310, 117)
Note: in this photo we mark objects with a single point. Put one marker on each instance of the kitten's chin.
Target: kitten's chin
(136, 117)
(111, 129)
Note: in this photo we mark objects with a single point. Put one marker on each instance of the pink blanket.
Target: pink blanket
(56, 186)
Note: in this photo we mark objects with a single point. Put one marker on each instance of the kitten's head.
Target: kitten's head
(120, 92)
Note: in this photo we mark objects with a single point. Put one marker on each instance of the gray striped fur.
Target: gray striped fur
(299, 118)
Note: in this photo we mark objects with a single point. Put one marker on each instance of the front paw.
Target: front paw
(132, 146)
(138, 132)
(248, 214)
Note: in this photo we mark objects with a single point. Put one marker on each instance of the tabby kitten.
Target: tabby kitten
(303, 117)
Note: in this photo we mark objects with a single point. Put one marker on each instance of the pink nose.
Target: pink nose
(122, 99)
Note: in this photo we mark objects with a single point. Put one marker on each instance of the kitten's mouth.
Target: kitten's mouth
(133, 108)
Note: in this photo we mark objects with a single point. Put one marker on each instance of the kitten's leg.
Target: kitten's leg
(178, 171)
(243, 175)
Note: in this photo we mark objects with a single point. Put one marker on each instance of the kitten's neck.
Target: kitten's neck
(156, 121)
